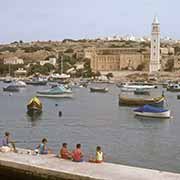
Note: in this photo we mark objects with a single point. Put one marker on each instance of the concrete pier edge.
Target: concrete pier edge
(53, 168)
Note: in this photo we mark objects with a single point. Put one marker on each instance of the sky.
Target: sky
(31, 20)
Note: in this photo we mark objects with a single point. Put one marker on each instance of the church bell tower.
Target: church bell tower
(154, 65)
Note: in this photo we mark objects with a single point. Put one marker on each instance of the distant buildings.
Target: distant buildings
(13, 60)
(149, 59)
(50, 61)
(20, 72)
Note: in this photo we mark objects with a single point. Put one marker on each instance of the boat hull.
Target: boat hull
(142, 92)
(159, 101)
(39, 83)
(101, 90)
(173, 89)
(154, 115)
(62, 95)
(14, 89)
(34, 106)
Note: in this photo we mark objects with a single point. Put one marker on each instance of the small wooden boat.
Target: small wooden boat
(151, 111)
(127, 101)
(56, 92)
(11, 88)
(98, 89)
(34, 106)
(141, 92)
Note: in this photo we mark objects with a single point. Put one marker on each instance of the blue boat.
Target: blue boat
(56, 92)
(151, 111)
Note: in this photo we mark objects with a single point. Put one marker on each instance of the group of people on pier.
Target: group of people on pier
(76, 155)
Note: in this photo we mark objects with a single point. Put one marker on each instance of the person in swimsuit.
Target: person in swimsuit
(64, 152)
(77, 154)
(99, 156)
(43, 147)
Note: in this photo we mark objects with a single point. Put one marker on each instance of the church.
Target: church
(116, 59)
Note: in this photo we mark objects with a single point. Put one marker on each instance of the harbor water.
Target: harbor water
(95, 119)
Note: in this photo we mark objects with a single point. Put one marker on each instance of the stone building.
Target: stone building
(115, 59)
(13, 60)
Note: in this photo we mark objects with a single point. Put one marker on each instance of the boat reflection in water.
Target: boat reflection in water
(33, 118)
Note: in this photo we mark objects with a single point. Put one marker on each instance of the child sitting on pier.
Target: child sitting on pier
(99, 156)
(43, 147)
(7, 144)
(77, 154)
(64, 153)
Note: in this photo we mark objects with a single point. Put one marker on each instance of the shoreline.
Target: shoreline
(50, 167)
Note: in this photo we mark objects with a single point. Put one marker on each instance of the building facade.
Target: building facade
(154, 65)
(116, 59)
(13, 60)
(50, 61)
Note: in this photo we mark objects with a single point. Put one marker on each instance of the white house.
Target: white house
(13, 60)
(50, 61)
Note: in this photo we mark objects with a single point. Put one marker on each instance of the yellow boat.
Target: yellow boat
(157, 101)
(34, 105)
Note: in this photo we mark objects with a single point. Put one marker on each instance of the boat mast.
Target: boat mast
(9, 70)
(62, 64)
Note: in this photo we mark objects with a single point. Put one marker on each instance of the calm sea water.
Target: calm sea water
(95, 119)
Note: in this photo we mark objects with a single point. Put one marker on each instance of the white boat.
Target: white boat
(63, 95)
(151, 111)
(125, 89)
(19, 84)
(139, 86)
(56, 92)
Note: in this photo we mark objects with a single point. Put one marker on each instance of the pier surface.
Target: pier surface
(51, 167)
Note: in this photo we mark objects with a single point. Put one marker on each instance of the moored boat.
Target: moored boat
(134, 101)
(11, 88)
(136, 86)
(178, 96)
(34, 106)
(141, 92)
(174, 88)
(151, 111)
(19, 84)
(37, 82)
(56, 92)
(125, 89)
(99, 89)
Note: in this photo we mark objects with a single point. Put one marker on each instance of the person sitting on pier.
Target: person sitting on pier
(99, 156)
(43, 148)
(7, 144)
(77, 154)
(64, 153)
